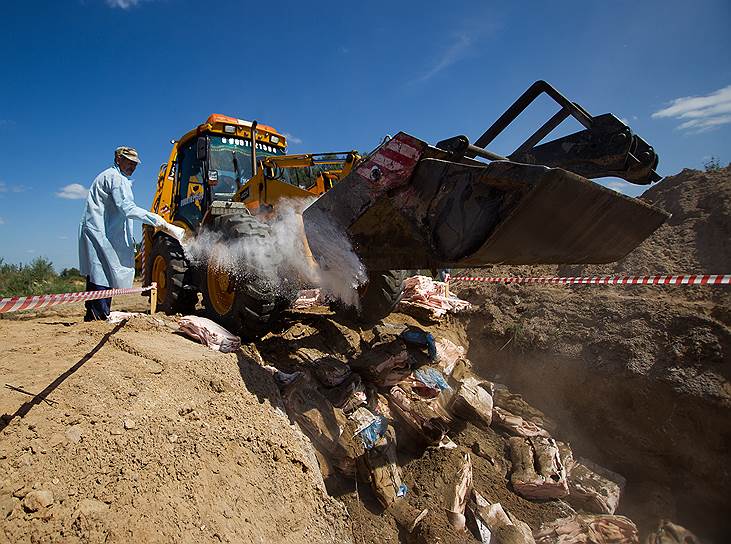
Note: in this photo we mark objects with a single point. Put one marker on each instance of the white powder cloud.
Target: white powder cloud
(699, 113)
(73, 191)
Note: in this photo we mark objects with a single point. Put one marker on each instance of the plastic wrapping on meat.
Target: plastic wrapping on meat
(538, 472)
(516, 425)
(449, 355)
(384, 364)
(428, 418)
(370, 427)
(384, 473)
(458, 492)
(327, 427)
(667, 532)
(307, 298)
(473, 403)
(426, 298)
(588, 529)
(497, 526)
(428, 382)
(331, 372)
(515, 404)
(348, 395)
(593, 488)
(209, 333)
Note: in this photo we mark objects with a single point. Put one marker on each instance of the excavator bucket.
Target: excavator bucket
(413, 206)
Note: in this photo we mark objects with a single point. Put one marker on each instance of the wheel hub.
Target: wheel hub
(159, 275)
(220, 289)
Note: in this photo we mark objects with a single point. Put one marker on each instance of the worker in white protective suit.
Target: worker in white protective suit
(106, 245)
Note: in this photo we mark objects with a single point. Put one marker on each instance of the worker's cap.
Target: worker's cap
(128, 153)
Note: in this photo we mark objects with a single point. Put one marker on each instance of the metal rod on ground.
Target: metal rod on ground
(19, 390)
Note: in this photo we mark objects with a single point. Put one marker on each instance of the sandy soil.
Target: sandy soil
(142, 435)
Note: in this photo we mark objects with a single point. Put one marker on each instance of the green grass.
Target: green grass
(37, 278)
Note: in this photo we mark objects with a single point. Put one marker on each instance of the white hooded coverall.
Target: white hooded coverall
(106, 245)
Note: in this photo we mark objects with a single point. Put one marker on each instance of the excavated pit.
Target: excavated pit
(671, 447)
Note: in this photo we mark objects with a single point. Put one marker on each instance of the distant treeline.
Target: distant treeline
(37, 278)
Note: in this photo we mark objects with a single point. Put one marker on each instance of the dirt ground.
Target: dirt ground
(143, 435)
(140, 434)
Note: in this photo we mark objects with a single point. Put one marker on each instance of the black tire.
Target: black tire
(258, 296)
(175, 294)
(378, 297)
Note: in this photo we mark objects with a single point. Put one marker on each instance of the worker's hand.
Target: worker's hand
(176, 232)
(158, 221)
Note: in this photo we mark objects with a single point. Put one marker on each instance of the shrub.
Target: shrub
(712, 165)
(37, 278)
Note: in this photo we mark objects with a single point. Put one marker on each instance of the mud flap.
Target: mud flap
(408, 207)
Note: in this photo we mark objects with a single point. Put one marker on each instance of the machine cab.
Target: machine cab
(216, 160)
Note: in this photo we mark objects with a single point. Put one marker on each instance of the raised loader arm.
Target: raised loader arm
(605, 148)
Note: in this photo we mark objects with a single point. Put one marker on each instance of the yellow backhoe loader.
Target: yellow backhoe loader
(406, 205)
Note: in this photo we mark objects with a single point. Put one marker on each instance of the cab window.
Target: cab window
(190, 204)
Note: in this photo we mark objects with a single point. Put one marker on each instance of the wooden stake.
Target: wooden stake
(153, 298)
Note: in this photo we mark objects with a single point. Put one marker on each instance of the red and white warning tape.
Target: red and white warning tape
(706, 279)
(16, 304)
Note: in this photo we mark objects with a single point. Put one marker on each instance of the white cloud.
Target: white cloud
(291, 138)
(701, 113)
(2, 221)
(702, 125)
(73, 191)
(454, 52)
(63, 237)
(122, 4)
(5, 188)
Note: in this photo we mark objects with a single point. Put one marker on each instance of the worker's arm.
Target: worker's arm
(130, 209)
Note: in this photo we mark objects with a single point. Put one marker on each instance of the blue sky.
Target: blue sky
(81, 77)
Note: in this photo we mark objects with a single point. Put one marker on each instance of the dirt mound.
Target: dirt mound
(638, 376)
(696, 238)
(145, 436)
